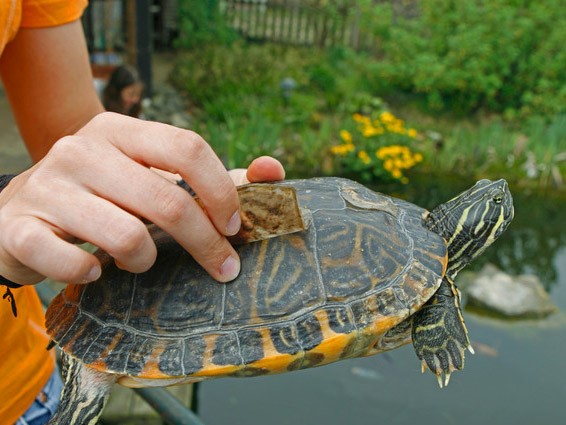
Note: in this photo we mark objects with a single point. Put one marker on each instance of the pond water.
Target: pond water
(516, 377)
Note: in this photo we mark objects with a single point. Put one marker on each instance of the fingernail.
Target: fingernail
(234, 224)
(92, 275)
(230, 269)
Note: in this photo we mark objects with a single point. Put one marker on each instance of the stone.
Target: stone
(495, 291)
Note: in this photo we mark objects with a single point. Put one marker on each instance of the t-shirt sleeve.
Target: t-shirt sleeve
(50, 13)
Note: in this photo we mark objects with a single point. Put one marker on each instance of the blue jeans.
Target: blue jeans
(45, 404)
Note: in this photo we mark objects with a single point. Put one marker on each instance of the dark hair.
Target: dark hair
(122, 77)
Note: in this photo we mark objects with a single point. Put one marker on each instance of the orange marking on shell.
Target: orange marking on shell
(297, 241)
(211, 369)
(382, 325)
(333, 344)
(60, 313)
(375, 332)
(216, 371)
(100, 363)
(73, 292)
(273, 360)
(53, 314)
(151, 368)
(277, 362)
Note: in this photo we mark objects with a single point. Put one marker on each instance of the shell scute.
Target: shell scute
(340, 319)
(171, 359)
(226, 350)
(285, 339)
(276, 278)
(251, 344)
(194, 351)
(309, 332)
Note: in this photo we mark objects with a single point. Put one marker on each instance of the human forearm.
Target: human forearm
(47, 78)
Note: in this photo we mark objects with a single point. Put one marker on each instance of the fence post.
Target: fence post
(144, 42)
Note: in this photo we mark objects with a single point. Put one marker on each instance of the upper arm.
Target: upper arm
(47, 77)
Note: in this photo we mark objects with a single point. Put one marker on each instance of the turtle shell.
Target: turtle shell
(364, 264)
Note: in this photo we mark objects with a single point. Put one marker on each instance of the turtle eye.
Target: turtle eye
(498, 198)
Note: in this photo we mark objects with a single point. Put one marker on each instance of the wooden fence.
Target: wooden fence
(296, 22)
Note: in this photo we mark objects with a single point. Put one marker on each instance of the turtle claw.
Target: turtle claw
(447, 379)
(443, 361)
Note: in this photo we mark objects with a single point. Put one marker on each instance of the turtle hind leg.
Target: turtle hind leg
(84, 394)
(439, 333)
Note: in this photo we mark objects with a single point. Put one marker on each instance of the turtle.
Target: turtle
(369, 273)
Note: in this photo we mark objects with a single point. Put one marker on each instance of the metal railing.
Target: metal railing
(171, 410)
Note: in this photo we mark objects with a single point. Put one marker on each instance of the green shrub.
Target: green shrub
(503, 55)
(216, 70)
(202, 22)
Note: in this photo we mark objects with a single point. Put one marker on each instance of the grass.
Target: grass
(530, 153)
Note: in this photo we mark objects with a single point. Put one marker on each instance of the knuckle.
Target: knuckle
(226, 195)
(190, 145)
(214, 250)
(19, 240)
(37, 187)
(70, 152)
(70, 271)
(171, 203)
(102, 119)
(129, 239)
(63, 148)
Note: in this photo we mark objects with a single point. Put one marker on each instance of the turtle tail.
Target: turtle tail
(84, 394)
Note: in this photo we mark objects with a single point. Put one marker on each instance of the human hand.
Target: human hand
(96, 185)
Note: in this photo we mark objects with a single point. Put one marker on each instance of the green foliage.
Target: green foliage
(243, 136)
(503, 55)
(527, 152)
(240, 109)
(202, 22)
(218, 70)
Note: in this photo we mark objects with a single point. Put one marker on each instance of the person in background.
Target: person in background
(123, 92)
(96, 176)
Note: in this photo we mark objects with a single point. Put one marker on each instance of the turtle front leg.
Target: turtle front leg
(439, 333)
(84, 394)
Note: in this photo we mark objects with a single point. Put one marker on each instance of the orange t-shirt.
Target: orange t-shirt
(25, 364)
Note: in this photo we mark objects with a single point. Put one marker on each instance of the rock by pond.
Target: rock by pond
(495, 291)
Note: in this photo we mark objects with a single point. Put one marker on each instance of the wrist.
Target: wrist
(4, 180)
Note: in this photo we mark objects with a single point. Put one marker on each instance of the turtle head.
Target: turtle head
(472, 221)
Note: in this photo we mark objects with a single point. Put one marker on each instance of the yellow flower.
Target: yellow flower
(362, 119)
(346, 136)
(342, 150)
(412, 133)
(370, 131)
(387, 117)
(364, 157)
